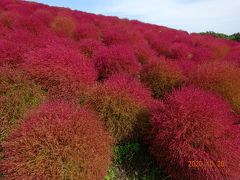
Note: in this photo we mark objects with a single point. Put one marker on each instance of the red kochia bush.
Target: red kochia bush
(234, 56)
(7, 19)
(116, 59)
(123, 106)
(3, 31)
(115, 35)
(43, 15)
(60, 68)
(129, 85)
(64, 25)
(180, 51)
(195, 125)
(207, 48)
(162, 77)
(32, 24)
(86, 30)
(220, 77)
(17, 96)
(58, 141)
(143, 52)
(15, 44)
(161, 40)
(89, 47)
(186, 66)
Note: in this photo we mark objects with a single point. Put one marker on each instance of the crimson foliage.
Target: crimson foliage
(17, 96)
(116, 59)
(222, 78)
(123, 106)
(106, 62)
(195, 125)
(162, 77)
(58, 141)
(60, 68)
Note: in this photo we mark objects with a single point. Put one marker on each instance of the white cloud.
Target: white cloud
(191, 15)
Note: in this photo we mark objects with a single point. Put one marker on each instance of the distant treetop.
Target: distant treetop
(235, 36)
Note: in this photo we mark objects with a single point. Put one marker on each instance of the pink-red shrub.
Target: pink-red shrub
(120, 34)
(64, 25)
(44, 16)
(219, 77)
(181, 51)
(89, 47)
(19, 8)
(186, 67)
(57, 141)
(234, 56)
(159, 41)
(220, 50)
(9, 52)
(86, 30)
(7, 19)
(207, 48)
(123, 106)
(17, 96)
(131, 86)
(3, 31)
(15, 44)
(195, 125)
(143, 52)
(65, 52)
(32, 24)
(161, 77)
(60, 68)
(116, 59)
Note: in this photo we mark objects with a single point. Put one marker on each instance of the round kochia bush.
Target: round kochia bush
(60, 68)
(58, 141)
(195, 125)
(17, 96)
(89, 47)
(15, 44)
(116, 59)
(220, 77)
(64, 25)
(123, 106)
(162, 77)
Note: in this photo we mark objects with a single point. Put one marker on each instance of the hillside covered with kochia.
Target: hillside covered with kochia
(92, 97)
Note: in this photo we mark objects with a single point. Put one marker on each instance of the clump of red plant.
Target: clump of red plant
(161, 77)
(116, 59)
(15, 44)
(220, 77)
(143, 52)
(89, 47)
(86, 30)
(123, 106)
(60, 68)
(234, 56)
(195, 125)
(64, 25)
(105, 62)
(17, 96)
(58, 141)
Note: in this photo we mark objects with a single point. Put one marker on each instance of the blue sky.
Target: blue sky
(190, 15)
